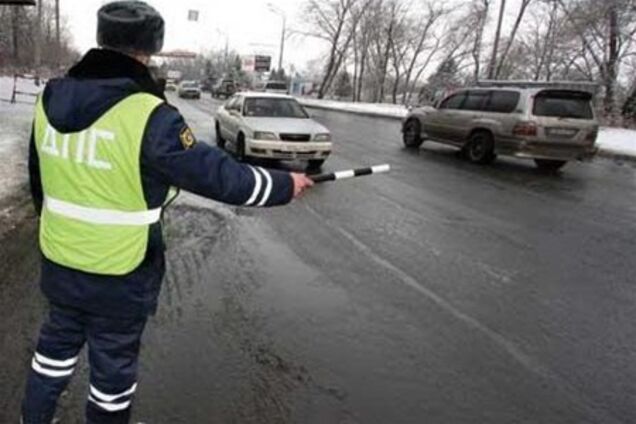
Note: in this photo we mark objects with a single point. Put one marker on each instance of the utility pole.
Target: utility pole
(495, 48)
(226, 52)
(281, 13)
(282, 44)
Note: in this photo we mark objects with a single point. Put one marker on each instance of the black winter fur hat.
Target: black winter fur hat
(130, 26)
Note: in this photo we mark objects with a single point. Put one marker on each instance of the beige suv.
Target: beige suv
(551, 123)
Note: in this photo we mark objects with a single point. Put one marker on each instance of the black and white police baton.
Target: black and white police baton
(352, 173)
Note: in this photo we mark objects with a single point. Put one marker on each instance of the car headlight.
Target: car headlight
(260, 135)
(322, 137)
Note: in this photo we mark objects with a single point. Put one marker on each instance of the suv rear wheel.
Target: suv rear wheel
(481, 148)
(412, 134)
(550, 165)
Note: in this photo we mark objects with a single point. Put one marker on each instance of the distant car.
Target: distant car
(224, 88)
(278, 87)
(272, 126)
(207, 84)
(189, 90)
(171, 85)
(552, 124)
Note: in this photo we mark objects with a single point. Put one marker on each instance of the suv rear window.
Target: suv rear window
(563, 104)
(276, 86)
(503, 101)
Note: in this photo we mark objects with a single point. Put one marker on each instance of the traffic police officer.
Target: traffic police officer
(105, 151)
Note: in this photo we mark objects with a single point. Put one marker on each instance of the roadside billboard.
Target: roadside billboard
(256, 63)
(262, 63)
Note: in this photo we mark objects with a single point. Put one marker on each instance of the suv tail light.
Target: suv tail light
(525, 129)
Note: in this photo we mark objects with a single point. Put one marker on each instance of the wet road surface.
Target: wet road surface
(443, 292)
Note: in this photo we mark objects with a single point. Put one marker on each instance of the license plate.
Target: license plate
(561, 132)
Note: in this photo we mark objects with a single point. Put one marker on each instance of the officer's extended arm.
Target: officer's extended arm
(205, 170)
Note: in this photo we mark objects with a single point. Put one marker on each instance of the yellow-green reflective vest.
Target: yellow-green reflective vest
(94, 216)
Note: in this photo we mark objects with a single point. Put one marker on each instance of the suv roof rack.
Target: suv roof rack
(590, 87)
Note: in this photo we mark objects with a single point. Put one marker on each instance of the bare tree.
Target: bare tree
(15, 32)
(391, 15)
(392, 23)
(495, 48)
(478, 19)
(38, 36)
(426, 42)
(511, 38)
(336, 23)
(27, 34)
(550, 41)
(606, 33)
(399, 50)
(362, 41)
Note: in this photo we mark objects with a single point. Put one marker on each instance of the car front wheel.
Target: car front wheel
(315, 164)
(240, 148)
(412, 134)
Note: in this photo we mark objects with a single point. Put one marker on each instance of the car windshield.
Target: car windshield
(190, 85)
(273, 108)
(276, 86)
(563, 104)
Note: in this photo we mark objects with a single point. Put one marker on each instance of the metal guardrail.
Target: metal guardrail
(17, 92)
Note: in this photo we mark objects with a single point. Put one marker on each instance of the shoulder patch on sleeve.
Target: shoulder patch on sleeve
(187, 138)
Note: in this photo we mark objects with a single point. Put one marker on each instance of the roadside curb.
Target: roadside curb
(603, 153)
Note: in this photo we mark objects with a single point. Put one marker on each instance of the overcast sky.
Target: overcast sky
(248, 25)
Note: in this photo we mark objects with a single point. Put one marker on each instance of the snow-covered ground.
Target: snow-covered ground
(15, 127)
(616, 141)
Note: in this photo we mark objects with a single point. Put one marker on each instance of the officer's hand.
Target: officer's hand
(301, 183)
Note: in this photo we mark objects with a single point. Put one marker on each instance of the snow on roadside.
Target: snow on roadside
(617, 141)
(614, 141)
(379, 109)
(15, 128)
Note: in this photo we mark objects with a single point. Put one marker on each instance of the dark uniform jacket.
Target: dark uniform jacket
(73, 103)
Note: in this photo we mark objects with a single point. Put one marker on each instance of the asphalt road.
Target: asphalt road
(443, 292)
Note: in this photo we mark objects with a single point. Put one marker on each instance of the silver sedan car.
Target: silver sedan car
(271, 126)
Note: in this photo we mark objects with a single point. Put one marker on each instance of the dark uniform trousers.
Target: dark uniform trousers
(113, 349)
